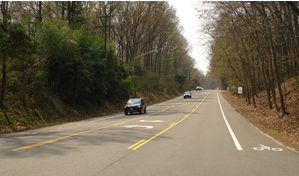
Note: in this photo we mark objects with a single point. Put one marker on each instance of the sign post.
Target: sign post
(239, 90)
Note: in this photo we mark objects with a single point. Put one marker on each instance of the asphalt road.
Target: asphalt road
(198, 136)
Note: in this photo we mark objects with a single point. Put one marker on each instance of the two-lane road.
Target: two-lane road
(198, 136)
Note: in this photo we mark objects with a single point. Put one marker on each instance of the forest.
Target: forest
(255, 45)
(62, 57)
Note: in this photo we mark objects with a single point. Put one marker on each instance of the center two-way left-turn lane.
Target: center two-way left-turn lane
(92, 144)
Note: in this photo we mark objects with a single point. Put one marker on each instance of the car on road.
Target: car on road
(199, 88)
(187, 94)
(135, 105)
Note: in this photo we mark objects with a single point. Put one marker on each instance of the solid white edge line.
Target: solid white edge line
(229, 128)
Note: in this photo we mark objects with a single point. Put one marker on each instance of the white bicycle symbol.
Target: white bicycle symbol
(263, 147)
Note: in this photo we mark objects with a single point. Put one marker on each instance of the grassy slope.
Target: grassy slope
(17, 118)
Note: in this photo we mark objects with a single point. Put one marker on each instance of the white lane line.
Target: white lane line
(34, 132)
(131, 126)
(151, 121)
(229, 128)
(59, 127)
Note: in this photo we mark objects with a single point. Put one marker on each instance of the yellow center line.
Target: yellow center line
(64, 137)
(136, 144)
(171, 125)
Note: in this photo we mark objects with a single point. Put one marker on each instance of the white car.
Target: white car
(187, 94)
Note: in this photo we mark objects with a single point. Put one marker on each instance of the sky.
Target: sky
(188, 19)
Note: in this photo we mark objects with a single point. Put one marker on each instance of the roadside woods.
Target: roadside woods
(255, 45)
(58, 56)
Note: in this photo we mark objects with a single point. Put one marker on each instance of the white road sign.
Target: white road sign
(239, 90)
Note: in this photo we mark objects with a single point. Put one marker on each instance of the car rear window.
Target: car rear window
(134, 101)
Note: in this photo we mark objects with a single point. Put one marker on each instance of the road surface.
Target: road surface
(198, 136)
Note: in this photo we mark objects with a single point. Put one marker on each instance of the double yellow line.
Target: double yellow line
(143, 141)
(64, 137)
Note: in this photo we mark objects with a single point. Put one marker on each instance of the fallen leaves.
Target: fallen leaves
(283, 129)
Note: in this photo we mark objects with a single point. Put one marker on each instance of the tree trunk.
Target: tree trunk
(3, 81)
(271, 45)
(273, 84)
(262, 65)
(4, 9)
(39, 13)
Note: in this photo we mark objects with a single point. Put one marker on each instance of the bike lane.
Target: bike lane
(260, 152)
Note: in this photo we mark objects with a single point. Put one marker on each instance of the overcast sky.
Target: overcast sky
(188, 19)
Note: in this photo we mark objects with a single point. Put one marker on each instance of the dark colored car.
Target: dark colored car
(199, 88)
(135, 105)
(187, 95)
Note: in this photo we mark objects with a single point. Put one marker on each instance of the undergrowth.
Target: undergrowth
(15, 117)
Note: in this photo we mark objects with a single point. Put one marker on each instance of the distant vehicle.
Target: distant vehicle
(187, 95)
(135, 105)
(199, 88)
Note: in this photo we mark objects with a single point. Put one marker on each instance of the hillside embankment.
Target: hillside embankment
(15, 117)
(284, 130)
